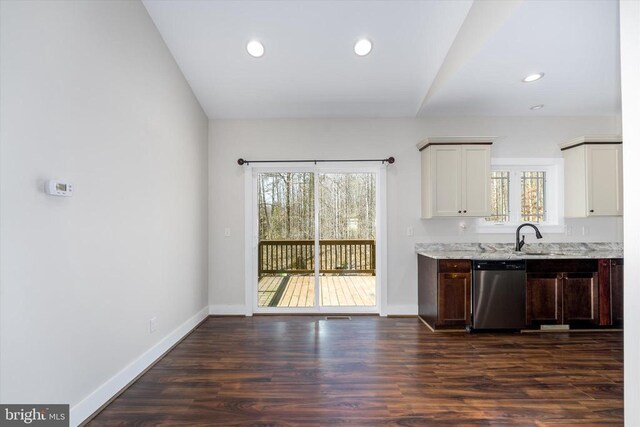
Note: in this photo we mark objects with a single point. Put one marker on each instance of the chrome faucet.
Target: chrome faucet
(520, 243)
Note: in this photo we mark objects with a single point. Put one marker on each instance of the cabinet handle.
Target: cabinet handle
(465, 211)
(459, 211)
(590, 210)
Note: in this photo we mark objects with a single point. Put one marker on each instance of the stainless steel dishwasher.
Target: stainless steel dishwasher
(499, 294)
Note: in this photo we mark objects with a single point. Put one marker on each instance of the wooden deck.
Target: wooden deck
(335, 291)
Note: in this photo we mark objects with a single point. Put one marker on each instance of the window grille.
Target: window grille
(499, 197)
(532, 195)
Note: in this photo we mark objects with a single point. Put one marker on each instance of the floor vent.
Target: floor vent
(337, 318)
(554, 327)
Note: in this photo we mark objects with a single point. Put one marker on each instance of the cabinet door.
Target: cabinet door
(617, 285)
(604, 179)
(476, 180)
(544, 298)
(445, 180)
(454, 299)
(580, 298)
(575, 182)
(604, 291)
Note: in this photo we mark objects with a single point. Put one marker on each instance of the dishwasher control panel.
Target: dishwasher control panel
(499, 265)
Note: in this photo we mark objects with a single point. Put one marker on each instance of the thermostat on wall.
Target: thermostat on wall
(58, 188)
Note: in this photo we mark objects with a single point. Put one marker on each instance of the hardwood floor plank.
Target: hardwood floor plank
(373, 371)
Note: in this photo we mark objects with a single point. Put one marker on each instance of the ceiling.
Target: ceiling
(433, 57)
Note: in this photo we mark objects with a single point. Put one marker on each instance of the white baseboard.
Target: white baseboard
(239, 310)
(402, 310)
(83, 410)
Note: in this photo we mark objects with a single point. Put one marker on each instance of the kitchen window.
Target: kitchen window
(524, 190)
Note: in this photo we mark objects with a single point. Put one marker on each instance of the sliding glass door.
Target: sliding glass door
(347, 229)
(316, 240)
(286, 233)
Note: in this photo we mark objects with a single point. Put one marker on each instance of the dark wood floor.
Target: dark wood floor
(301, 370)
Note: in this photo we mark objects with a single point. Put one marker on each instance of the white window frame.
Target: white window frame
(554, 192)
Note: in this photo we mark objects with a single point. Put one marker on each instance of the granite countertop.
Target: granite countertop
(502, 251)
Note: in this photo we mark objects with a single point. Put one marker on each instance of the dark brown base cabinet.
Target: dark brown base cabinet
(583, 293)
(562, 298)
(544, 298)
(617, 284)
(444, 292)
(579, 292)
(580, 299)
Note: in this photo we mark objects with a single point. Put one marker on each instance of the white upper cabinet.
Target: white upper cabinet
(593, 176)
(445, 167)
(456, 176)
(476, 179)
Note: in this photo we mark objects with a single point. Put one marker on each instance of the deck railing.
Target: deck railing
(298, 256)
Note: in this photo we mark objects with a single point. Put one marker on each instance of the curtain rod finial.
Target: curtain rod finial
(242, 161)
(391, 160)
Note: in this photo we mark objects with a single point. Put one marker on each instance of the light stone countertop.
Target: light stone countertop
(505, 251)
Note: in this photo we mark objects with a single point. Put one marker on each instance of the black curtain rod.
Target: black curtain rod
(389, 160)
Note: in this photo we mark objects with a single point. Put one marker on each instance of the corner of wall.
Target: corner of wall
(105, 393)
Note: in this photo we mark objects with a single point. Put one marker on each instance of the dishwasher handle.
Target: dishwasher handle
(519, 264)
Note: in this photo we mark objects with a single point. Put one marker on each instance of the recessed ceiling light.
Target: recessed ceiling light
(362, 47)
(255, 48)
(533, 77)
(537, 107)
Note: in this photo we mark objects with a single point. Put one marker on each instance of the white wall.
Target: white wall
(375, 138)
(630, 67)
(91, 94)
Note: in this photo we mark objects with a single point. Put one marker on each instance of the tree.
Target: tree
(346, 206)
